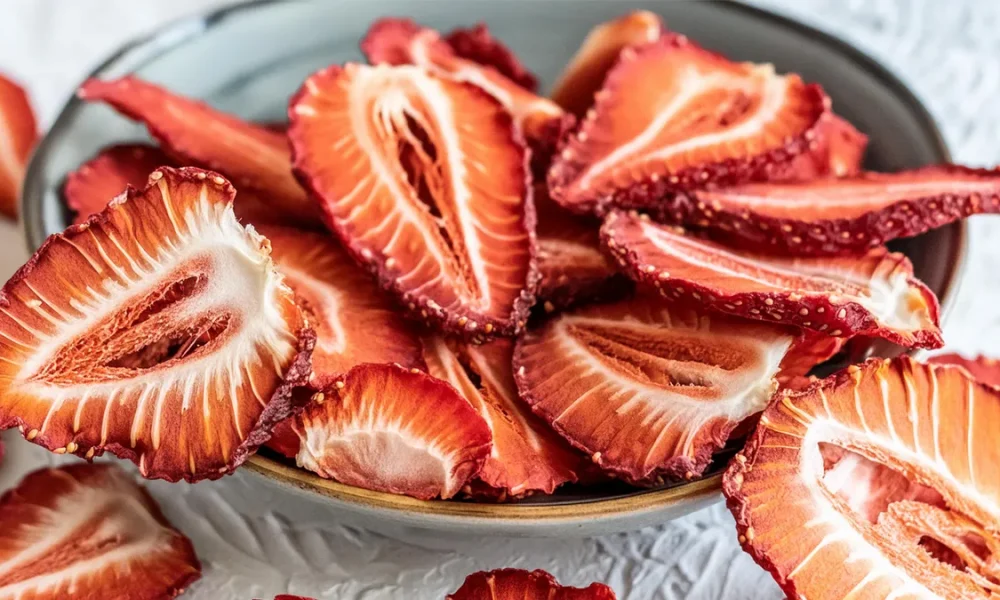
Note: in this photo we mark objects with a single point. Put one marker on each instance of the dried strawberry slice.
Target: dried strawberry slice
(982, 368)
(837, 150)
(401, 41)
(389, 429)
(571, 264)
(583, 76)
(87, 531)
(478, 45)
(527, 455)
(878, 482)
(158, 331)
(18, 135)
(672, 116)
(647, 389)
(518, 584)
(253, 156)
(428, 189)
(99, 180)
(838, 216)
(874, 294)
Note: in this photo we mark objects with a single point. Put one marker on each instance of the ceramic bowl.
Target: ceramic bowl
(251, 58)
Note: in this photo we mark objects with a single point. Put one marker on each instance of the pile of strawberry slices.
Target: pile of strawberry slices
(436, 282)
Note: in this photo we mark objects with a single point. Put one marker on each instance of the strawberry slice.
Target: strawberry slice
(584, 75)
(99, 180)
(877, 482)
(874, 294)
(18, 136)
(389, 429)
(518, 584)
(646, 389)
(673, 116)
(158, 330)
(478, 45)
(401, 42)
(88, 531)
(527, 456)
(570, 261)
(983, 369)
(837, 150)
(836, 216)
(428, 189)
(253, 156)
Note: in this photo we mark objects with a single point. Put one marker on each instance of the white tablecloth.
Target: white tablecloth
(255, 542)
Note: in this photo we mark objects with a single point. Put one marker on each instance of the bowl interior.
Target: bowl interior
(249, 60)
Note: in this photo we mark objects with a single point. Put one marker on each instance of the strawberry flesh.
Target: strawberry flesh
(478, 45)
(518, 584)
(389, 429)
(649, 391)
(87, 531)
(428, 190)
(158, 330)
(673, 116)
(837, 150)
(874, 294)
(18, 136)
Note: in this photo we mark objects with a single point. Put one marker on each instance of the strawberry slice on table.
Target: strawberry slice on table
(877, 482)
(428, 189)
(18, 136)
(89, 531)
(835, 216)
(401, 41)
(672, 116)
(390, 429)
(252, 156)
(527, 456)
(648, 390)
(158, 330)
(584, 74)
(874, 294)
(90, 188)
(478, 45)
(982, 368)
(518, 584)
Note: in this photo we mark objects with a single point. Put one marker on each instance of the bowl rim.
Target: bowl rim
(135, 53)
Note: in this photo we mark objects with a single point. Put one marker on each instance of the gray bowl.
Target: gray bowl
(249, 59)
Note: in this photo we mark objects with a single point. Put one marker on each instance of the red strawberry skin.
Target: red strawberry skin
(518, 584)
(89, 532)
(18, 135)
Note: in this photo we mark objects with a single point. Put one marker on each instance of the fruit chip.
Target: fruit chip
(518, 584)
(874, 294)
(253, 156)
(478, 45)
(877, 482)
(18, 135)
(983, 369)
(88, 531)
(527, 456)
(673, 116)
(389, 429)
(648, 390)
(584, 75)
(429, 190)
(835, 216)
(90, 188)
(158, 330)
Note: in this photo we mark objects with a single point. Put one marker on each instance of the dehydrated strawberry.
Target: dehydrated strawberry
(158, 330)
(874, 294)
(99, 180)
(982, 368)
(428, 189)
(401, 41)
(836, 150)
(527, 455)
(88, 531)
(877, 482)
(18, 135)
(585, 73)
(518, 584)
(571, 264)
(673, 116)
(478, 45)
(253, 156)
(836, 216)
(389, 429)
(648, 390)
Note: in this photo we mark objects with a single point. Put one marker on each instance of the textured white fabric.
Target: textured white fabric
(255, 542)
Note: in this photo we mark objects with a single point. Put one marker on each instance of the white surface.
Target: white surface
(255, 542)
